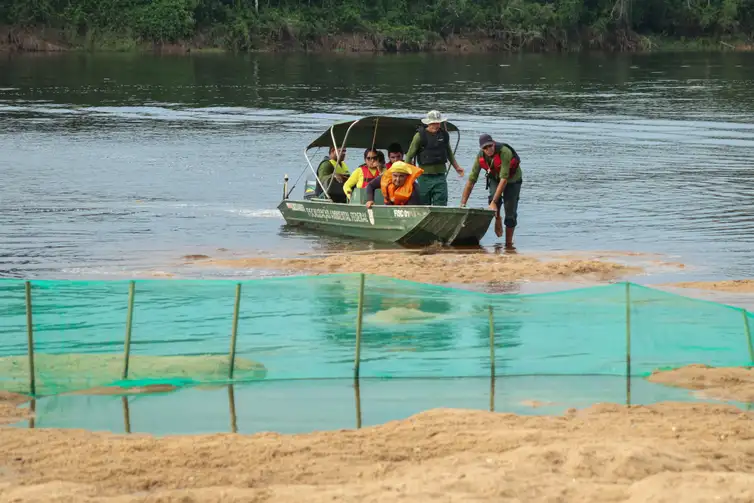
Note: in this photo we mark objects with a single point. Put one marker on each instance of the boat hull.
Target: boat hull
(406, 225)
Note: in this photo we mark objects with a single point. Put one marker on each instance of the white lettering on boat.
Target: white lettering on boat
(400, 213)
(295, 206)
(339, 215)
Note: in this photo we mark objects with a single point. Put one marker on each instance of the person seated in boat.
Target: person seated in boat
(333, 173)
(365, 173)
(394, 153)
(398, 185)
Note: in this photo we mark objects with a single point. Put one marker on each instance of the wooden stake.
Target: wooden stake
(359, 317)
(492, 361)
(492, 343)
(747, 331)
(30, 340)
(232, 403)
(234, 334)
(628, 343)
(357, 395)
(126, 414)
(129, 319)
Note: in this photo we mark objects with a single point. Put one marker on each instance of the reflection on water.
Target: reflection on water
(306, 406)
(124, 163)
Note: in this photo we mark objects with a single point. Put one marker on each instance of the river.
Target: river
(117, 163)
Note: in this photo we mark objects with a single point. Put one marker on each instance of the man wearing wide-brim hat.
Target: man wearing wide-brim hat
(431, 148)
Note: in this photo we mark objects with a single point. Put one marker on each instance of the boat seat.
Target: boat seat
(359, 196)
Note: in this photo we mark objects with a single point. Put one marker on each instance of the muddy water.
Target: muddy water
(117, 164)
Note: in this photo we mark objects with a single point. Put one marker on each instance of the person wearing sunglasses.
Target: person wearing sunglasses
(365, 173)
(501, 164)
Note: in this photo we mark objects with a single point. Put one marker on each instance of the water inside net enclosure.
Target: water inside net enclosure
(305, 328)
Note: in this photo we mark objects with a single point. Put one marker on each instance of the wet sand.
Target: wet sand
(607, 453)
(9, 410)
(733, 286)
(437, 267)
(720, 383)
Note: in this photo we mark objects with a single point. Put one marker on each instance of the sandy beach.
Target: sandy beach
(665, 452)
(436, 266)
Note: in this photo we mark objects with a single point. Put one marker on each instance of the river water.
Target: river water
(117, 163)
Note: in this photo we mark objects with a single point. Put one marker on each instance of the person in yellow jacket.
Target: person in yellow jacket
(365, 173)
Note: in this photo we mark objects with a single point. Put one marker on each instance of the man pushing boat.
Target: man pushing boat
(398, 185)
(503, 177)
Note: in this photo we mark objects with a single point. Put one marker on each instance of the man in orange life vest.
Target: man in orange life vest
(365, 173)
(398, 184)
(502, 166)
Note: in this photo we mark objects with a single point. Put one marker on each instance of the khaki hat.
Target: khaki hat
(434, 117)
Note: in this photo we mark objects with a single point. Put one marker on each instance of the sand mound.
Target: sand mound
(724, 383)
(735, 285)
(666, 452)
(74, 372)
(440, 267)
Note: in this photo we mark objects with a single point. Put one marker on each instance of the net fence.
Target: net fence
(181, 332)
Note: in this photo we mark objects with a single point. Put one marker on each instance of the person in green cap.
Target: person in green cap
(502, 166)
(431, 148)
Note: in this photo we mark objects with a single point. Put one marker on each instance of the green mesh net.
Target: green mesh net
(305, 328)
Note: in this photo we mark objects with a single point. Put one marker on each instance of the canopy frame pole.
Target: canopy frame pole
(374, 136)
(319, 182)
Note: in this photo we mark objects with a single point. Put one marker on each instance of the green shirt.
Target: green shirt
(327, 167)
(505, 168)
(429, 169)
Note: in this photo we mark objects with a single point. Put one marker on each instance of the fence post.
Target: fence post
(126, 414)
(359, 317)
(234, 333)
(30, 340)
(129, 319)
(628, 343)
(492, 360)
(357, 396)
(747, 331)
(232, 404)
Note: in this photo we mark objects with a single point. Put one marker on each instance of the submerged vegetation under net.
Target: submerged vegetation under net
(190, 332)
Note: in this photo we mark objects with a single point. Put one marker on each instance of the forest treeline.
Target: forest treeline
(390, 24)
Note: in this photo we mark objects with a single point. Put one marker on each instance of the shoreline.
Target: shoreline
(676, 451)
(15, 40)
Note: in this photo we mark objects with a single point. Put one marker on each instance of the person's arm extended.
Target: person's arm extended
(416, 198)
(371, 187)
(473, 177)
(413, 149)
(452, 159)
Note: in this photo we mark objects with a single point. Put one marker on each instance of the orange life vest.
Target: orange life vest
(402, 194)
(367, 175)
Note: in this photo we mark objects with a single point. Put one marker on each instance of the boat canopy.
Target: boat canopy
(381, 130)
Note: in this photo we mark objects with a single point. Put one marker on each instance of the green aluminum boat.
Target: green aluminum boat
(405, 225)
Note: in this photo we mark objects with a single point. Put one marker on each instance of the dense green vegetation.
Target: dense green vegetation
(388, 24)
